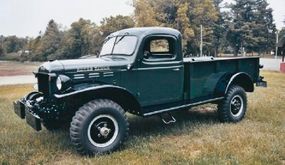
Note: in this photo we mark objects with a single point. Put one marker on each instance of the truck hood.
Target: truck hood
(81, 65)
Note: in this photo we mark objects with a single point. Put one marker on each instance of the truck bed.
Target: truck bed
(203, 73)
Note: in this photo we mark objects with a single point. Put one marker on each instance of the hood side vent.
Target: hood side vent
(108, 74)
(94, 75)
(79, 76)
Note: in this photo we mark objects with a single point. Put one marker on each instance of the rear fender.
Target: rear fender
(241, 79)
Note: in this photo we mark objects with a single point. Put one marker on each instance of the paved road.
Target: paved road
(269, 64)
(12, 80)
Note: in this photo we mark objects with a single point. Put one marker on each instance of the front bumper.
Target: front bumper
(24, 110)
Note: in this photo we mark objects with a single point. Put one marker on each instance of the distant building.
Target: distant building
(21, 52)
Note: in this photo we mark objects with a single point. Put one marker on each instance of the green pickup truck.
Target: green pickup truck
(141, 71)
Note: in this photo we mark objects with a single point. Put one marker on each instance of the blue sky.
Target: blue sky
(28, 17)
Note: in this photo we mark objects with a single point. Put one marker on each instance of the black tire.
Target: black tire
(99, 126)
(234, 106)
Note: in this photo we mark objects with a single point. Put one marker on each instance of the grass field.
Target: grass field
(197, 137)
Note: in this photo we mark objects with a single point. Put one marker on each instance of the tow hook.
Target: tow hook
(261, 83)
(167, 118)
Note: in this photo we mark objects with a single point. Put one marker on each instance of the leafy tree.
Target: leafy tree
(2, 51)
(144, 13)
(183, 23)
(13, 44)
(112, 24)
(65, 48)
(79, 40)
(97, 41)
(33, 46)
(80, 34)
(185, 16)
(201, 13)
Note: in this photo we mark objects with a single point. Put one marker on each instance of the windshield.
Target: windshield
(119, 45)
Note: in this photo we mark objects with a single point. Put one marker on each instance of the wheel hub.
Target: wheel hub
(104, 131)
(236, 105)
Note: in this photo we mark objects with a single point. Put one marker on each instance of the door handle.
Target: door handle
(176, 69)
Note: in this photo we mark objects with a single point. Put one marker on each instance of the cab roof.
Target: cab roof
(144, 31)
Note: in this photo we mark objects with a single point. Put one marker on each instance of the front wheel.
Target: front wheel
(234, 106)
(99, 126)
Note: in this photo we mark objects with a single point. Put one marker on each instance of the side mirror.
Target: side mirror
(130, 66)
(146, 54)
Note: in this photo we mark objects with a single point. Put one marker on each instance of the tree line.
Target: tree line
(83, 38)
(243, 26)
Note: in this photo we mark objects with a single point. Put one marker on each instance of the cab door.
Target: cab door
(160, 72)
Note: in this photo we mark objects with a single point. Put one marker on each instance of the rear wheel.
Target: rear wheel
(234, 106)
(99, 126)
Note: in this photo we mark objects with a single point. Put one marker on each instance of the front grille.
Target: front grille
(43, 83)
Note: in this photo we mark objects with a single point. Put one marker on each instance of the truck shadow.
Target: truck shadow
(186, 120)
(153, 125)
(189, 119)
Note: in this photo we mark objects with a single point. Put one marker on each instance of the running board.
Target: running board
(182, 106)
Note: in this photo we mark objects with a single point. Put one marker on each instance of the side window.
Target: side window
(159, 48)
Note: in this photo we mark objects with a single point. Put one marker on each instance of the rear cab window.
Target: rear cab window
(159, 48)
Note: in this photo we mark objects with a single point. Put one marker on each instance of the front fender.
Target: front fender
(87, 89)
(118, 94)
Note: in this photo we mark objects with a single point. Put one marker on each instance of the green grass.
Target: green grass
(197, 137)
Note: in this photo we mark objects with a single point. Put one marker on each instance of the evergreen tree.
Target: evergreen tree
(85, 38)
(48, 43)
(251, 26)
(282, 32)
(219, 29)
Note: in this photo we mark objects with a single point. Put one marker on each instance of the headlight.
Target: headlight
(63, 82)
(58, 83)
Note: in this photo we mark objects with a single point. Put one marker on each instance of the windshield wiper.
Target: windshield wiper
(120, 39)
(107, 39)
